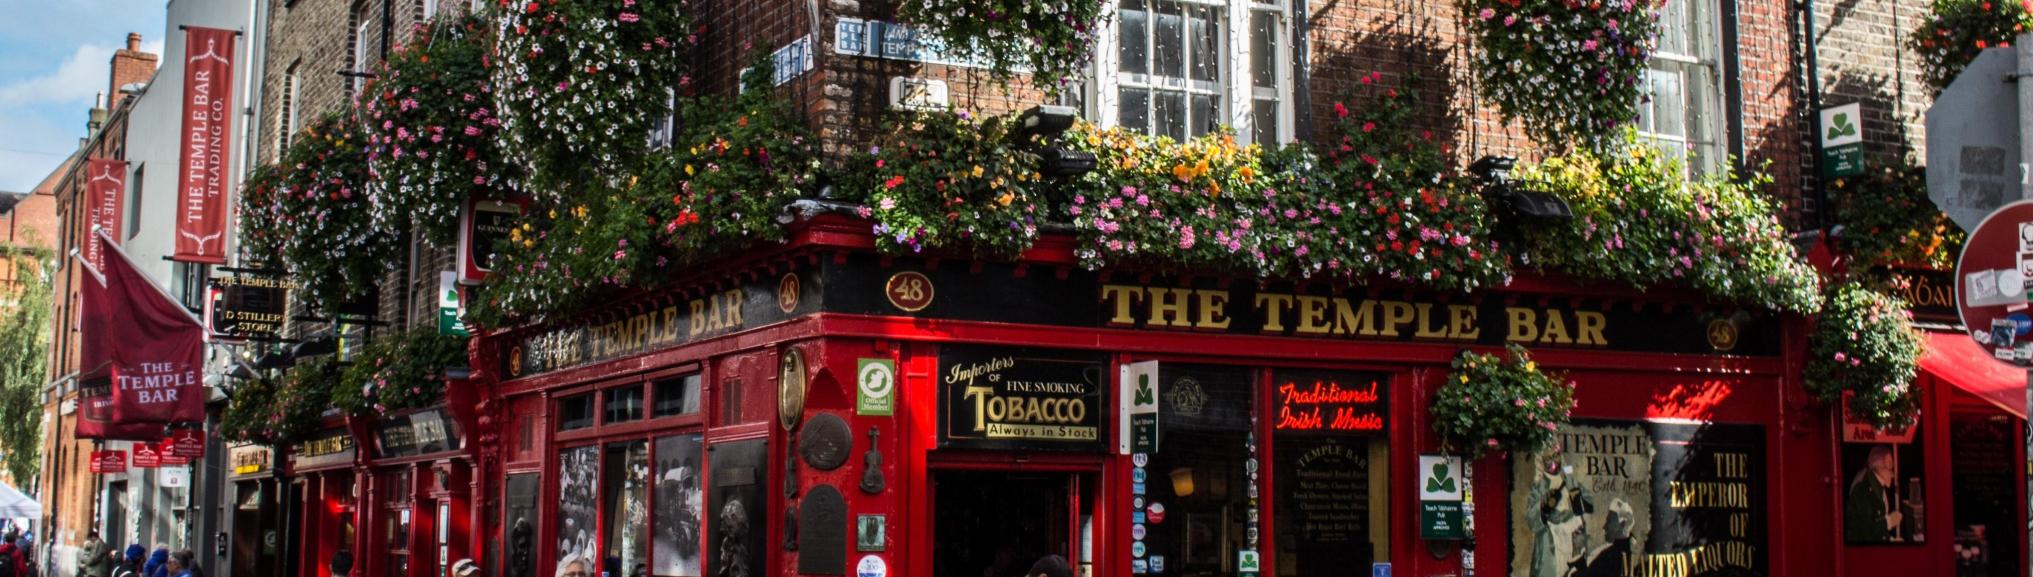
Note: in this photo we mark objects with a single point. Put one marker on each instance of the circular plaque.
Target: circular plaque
(790, 383)
(826, 441)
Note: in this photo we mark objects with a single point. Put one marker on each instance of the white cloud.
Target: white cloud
(81, 76)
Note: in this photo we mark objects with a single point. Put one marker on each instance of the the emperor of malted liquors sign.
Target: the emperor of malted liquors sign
(1003, 398)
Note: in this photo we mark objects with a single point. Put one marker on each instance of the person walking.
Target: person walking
(15, 563)
(95, 558)
(158, 562)
(184, 563)
(130, 563)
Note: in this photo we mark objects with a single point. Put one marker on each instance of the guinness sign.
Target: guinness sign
(1007, 398)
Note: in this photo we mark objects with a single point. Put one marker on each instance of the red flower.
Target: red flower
(893, 182)
(530, 8)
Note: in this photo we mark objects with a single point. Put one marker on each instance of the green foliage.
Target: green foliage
(944, 179)
(1957, 30)
(402, 371)
(1637, 222)
(278, 412)
(1492, 403)
(1888, 220)
(262, 232)
(1051, 40)
(1570, 69)
(324, 216)
(433, 140)
(724, 184)
(24, 361)
(1864, 345)
(583, 83)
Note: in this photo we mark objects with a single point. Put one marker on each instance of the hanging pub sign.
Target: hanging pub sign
(147, 456)
(207, 152)
(104, 462)
(423, 432)
(151, 348)
(186, 443)
(249, 459)
(482, 225)
(330, 447)
(1328, 402)
(1013, 398)
(248, 306)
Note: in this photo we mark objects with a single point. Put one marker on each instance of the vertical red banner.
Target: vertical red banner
(207, 146)
(105, 188)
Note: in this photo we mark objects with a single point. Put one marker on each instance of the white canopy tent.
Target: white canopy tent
(14, 505)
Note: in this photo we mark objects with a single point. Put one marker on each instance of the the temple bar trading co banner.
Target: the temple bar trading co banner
(1642, 498)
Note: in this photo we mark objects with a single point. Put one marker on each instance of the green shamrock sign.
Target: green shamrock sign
(1144, 394)
(1841, 126)
(1440, 482)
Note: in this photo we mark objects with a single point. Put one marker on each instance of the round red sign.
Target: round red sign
(1992, 281)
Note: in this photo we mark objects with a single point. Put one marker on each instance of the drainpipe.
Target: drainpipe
(1821, 209)
(2025, 91)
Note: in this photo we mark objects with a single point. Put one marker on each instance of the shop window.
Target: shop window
(1186, 68)
(1330, 461)
(1683, 111)
(578, 489)
(625, 504)
(1197, 485)
(621, 405)
(575, 412)
(678, 396)
(679, 514)
(395, 487)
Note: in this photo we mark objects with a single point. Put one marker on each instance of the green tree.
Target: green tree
(24, 361)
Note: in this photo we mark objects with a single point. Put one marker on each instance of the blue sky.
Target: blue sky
(53, 57)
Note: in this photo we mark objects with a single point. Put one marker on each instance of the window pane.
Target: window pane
(1203, 29)
(1669, 103)
(1133, 32)
(1197, 476)
(578, 484)
(1135, 110)
(1673, 28)
(1206, 114)
(575, 412)
(1170, 40)
(679, 506)
(1171, 114)
(679, 396)
(623, 405)
(625, 476)
(1263, 55)
(1266, 117)
(1331, 483)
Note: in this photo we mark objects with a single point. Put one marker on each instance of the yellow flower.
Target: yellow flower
(997, 183)
(1006, 198)
(688, 170)
(1464, 379)
(554, 215)
(1531, 366)
(977, 171)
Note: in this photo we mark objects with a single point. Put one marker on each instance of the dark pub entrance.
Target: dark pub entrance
(997, 523)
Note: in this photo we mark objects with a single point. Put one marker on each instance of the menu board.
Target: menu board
(1323, 492)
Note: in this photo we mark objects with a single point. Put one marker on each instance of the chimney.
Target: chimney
(130, 65)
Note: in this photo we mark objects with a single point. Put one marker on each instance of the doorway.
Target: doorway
(997, 523)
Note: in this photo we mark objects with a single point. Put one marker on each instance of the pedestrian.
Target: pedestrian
(1050, 566)
(15, 563)
(158, 562)
(130, 563)
(95, 559)
(184, 563)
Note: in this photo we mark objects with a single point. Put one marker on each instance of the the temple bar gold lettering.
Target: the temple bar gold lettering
(1297, 314)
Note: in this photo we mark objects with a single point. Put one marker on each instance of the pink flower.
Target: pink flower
(1840, 357)
(629, 17)
(1486, 14)
(1518, 402)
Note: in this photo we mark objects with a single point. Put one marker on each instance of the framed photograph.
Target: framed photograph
(869, 533)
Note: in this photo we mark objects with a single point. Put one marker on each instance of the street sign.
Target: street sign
(1842, 141)
(1973, 141)
(1991, 284)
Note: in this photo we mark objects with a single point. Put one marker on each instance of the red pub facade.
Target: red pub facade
(816, 408)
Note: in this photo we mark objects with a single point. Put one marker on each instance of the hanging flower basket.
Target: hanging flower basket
(332, 242)
(945, 179)
(1955, 31)
(582, 83)
(1864, 344)
(433, 139)
(1569, 69)
(261, 231)
(1491, 403)
(278, 412)
(1052, 40)
(399, 372)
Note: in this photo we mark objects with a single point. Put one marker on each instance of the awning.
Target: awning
(1954, 358)
(14, 505)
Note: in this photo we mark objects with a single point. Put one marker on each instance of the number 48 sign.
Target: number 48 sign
(909, 291)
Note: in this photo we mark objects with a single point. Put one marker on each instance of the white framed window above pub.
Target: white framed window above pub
(1183, 68)
(362, 22)
(1684, 111)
